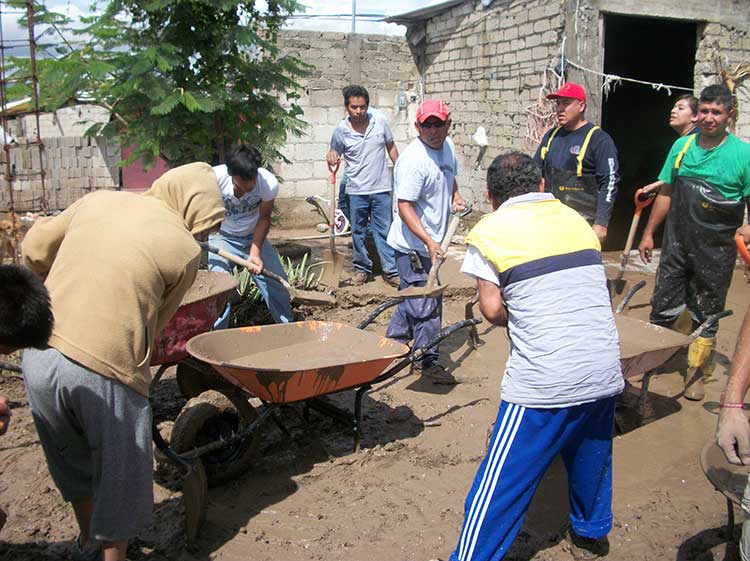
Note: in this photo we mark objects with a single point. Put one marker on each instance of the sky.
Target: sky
(363, 25)
(320, 15)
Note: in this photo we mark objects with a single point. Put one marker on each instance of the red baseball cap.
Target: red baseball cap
(432, 108)
(571, 90)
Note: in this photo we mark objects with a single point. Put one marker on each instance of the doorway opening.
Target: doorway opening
(660, 51)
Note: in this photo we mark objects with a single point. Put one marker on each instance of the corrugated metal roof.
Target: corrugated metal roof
(418, 16)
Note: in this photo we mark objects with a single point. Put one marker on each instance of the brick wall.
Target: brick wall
(488, 65)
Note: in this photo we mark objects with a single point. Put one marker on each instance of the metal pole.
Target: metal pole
(6, 143)
(35, 99)
(354, 16)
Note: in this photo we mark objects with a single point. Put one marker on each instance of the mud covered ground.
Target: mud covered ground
(400, 497)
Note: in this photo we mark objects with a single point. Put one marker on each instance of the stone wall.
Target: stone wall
(73, 164)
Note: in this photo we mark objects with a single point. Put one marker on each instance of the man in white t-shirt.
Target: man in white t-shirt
(426, 189)
(248, 192)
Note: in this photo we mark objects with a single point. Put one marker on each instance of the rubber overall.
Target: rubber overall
(698, 252)
(574, 188)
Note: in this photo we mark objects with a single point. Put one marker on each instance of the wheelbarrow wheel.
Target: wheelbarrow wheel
(209, 417)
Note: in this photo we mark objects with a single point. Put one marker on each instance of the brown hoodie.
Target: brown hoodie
(117, 266)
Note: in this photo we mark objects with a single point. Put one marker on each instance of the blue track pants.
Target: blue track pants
(523, 445)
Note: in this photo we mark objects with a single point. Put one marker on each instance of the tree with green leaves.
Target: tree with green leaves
(182, 79)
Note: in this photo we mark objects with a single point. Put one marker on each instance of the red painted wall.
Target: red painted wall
(133, 176)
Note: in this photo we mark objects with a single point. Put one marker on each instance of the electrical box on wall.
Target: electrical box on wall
(402, 101)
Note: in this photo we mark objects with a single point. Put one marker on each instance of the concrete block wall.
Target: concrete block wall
(73, 164)
(382, 64)
(68, 121)
(489, 66)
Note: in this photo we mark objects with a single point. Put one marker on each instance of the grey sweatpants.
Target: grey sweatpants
(96, 436)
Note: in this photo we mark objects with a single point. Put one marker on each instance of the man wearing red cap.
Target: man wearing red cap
(579, 160)
(426, 189)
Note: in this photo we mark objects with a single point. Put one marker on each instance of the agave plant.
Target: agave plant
(251, 307)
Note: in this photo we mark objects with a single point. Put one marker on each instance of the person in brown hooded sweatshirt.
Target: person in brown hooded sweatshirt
(116, 266)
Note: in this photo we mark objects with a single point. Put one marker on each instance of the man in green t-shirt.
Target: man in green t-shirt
(706, 188)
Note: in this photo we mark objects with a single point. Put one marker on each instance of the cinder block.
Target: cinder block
(325, 98)
(310, 152)
(310, 187)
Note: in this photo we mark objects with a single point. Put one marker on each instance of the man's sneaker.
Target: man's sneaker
(92, 551)
(585, 549)
(393, 280)
(359, 278)
(437, 374)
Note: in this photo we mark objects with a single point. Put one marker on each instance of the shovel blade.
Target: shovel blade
(313, 298)
(422, 291)
(194, 497)
(331, 274)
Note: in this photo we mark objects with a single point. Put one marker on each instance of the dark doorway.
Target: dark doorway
(637, 115)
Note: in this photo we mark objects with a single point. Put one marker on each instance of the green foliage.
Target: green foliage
(183, 79)
(251, 309)
(301, 275)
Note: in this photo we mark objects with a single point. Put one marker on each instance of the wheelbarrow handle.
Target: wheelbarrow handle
(379, 310)
(710, 320)
(185, 466)
(635, 288)
(418, 353)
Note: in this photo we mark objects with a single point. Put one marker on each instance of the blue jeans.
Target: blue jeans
(274, 295)
(377, 211)
(343, 197)
(416, 318)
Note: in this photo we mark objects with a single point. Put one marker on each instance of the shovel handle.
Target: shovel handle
(332, 215)
(452, 227)
(231, 257)
(334, 170)
(279, 279)
(642, 200)
(742, 249)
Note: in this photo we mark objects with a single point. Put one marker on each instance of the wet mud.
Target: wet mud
(309, 496)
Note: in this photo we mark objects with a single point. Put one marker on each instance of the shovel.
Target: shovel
(742, 250)
(642, 200)
(334, 261)
(432, 289)
(311, 297)
(194, 486)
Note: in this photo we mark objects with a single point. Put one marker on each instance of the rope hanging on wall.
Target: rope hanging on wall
(613, 80)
